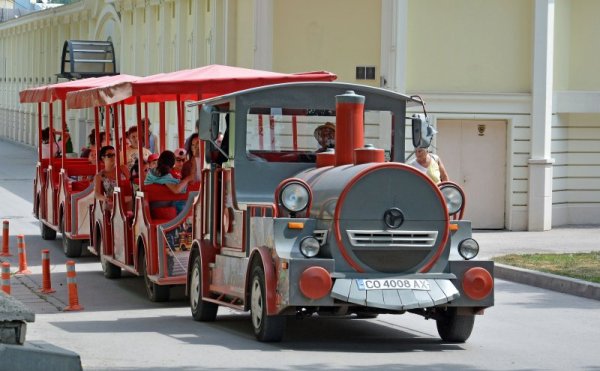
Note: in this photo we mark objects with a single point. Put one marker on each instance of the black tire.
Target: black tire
(266, 328)
(97, 242)
(156, 293)
(47, 232)
(71, 248)
(201, 310)
(455, 328)
(110, 270)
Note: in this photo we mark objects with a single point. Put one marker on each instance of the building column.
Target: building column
(263, 34)
(394, 30)
(540, 163)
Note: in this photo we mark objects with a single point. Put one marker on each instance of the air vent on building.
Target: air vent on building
(365, 72)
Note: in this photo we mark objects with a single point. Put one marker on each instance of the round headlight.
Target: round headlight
(468, 248)
(309, 247)
(454, 199)
(294, 197)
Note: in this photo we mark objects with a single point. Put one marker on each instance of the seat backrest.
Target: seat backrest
(160, 192)
(80, 185)
(80, 169)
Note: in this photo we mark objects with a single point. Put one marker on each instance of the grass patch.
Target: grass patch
(584, 266)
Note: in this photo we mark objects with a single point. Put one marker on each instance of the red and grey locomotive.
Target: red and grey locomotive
(281, 229)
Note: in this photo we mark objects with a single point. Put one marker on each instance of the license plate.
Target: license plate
(393, 284)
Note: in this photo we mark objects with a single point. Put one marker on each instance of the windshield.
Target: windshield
(297, 135)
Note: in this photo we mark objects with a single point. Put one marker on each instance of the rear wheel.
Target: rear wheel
(47, 232)
(266, 328)
(156, 293)
(201, 310)
(455, 328)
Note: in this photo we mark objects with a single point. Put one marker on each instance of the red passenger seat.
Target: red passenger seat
(80, 185)
(162, 215)
(157, 195)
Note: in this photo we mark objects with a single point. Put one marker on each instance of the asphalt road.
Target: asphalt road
(527, 329)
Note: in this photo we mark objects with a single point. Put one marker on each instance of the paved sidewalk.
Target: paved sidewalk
(584, 238)
(571, 239)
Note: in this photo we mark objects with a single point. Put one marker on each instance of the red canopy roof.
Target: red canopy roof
(194, 84)
(51, 93)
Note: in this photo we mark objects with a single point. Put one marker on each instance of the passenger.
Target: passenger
(69, 143)
(194, 160)
(325, 135)
(162, 175)
(106, 179)
(152, 161)
(46, 144)
(85, 151)
(430, 164)
(131, 154)
(93, 150)
(180, 158)
(151, 145)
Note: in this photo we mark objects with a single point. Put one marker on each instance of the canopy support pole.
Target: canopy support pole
(97, 135)
(162, 132)
(40, 131)
(138, 111)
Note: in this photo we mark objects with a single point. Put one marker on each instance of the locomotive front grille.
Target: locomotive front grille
(385, 239)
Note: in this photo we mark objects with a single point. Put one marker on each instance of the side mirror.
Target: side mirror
(422, 131)
(208, 126)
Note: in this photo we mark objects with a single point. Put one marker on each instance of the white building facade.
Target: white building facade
(511, 85)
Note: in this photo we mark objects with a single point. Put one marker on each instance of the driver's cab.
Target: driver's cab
(270, 134)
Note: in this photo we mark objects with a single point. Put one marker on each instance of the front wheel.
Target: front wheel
(266, 328)
(47, 232)
(156, 293)
(455, 328)
(201, 310)
(110, 270)
(71, 248)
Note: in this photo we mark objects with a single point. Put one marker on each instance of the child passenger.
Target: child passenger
(162, 175)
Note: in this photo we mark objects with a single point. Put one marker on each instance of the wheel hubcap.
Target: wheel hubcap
(257, 304)
(195, 288)
(149, 286)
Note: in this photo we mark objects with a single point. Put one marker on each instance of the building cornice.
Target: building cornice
(477, 103)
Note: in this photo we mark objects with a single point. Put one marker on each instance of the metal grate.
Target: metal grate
(424, 239)
(321, 236)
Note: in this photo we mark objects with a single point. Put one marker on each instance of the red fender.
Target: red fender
(270, 277)
(207, 256)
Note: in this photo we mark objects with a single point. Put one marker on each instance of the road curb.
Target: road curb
(548, 281)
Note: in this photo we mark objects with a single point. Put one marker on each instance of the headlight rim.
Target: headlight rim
(460, 250)
(454, 186)
(289, 182)
(302, 241)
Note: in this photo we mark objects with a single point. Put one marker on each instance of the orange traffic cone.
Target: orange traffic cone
(46, 284)
(22, 256)
(5, 249)
(5, 278)
(72, 286)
